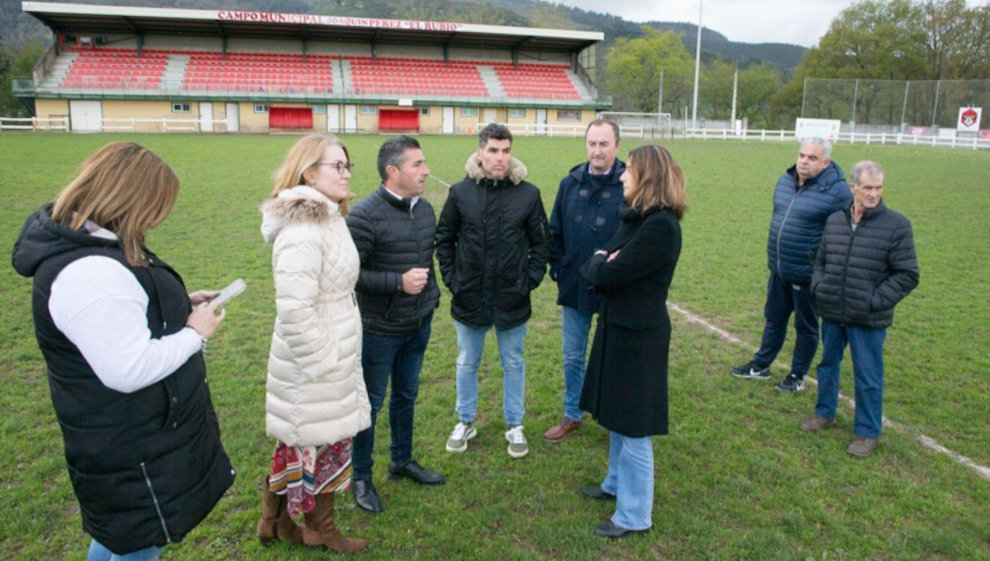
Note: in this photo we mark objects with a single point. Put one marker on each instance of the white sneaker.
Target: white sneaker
(518, 447)
(459, 437)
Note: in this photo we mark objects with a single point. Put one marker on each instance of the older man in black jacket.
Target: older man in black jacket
(866, 264)
(397, 292)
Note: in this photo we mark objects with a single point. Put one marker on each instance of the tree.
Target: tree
(757, 85)
(870, 40)
(715, 95)
(873, 39)
(958, 40)
(16, 64)
(551, 16)
(420, 10)
(632, 72)
(471, 12)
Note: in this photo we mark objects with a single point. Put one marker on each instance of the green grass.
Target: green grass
(735, 479)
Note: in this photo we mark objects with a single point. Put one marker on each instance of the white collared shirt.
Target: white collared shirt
(412, 201)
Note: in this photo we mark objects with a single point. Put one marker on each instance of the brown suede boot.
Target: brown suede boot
(320, 529)
(275, 522)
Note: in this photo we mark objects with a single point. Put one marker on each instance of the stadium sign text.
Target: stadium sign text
(268, 17)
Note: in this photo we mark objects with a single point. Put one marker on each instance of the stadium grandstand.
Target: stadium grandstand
(153, 69)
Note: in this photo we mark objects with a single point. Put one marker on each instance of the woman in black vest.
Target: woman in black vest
(625, 387)
(122, 340)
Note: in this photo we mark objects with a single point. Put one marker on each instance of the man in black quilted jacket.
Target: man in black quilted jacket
(397, 292)
(866, 265)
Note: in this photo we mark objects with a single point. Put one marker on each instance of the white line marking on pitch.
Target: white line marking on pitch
(926, 441)
(444, 183)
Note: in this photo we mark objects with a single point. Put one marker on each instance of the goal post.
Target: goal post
(641, 125)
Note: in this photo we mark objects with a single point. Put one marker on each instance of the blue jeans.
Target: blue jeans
(630, 479)
(399, 358)
(470, 346)
(783, 299)
(97, 552)
(866, 348)
(574, 329)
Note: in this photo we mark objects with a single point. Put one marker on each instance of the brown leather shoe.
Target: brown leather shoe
(862, 447)
(817, 423)
(557, 433)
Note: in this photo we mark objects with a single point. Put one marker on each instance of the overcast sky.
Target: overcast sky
(800, 22)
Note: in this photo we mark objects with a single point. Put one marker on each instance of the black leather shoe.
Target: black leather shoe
(610, 530)
(365, 496)
(416, 472)
(596, 492)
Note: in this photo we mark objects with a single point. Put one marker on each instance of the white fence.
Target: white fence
(528, 129)
(34, 124)
(572, 131)
(972, 143)
(112, 125)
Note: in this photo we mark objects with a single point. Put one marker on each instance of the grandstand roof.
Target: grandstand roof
(89, 18)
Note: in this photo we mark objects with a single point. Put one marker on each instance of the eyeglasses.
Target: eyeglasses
(340, 166)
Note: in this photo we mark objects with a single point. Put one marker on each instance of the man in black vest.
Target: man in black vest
(865, 266)
(397, 291)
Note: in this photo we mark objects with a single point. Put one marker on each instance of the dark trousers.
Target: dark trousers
(784, 299)
(399, 358)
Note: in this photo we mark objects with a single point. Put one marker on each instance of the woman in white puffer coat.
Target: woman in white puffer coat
(316, 397)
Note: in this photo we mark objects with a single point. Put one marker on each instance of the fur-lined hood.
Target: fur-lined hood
(517, 170)
(301, 204)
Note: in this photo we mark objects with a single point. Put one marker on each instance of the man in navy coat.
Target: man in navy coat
(584, 217)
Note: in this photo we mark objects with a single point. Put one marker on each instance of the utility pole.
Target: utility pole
(697, 69)
(660, 101)
(735, 89)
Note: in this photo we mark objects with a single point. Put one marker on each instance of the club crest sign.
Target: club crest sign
(969, 118)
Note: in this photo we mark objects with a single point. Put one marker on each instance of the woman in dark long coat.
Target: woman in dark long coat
(625, 387)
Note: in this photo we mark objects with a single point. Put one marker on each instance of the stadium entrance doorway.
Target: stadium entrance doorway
(333, 118)
(233, 117)
(290, 118)
(350, 118)
(398, 120)
(85, 115)
(541, 121)
(206, 116)
(448, 120)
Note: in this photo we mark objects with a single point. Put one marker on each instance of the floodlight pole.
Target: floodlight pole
(735, 91)
(660, 100)
(697, 68)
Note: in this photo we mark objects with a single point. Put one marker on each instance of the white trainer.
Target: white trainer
(518, 447)
(459, 437)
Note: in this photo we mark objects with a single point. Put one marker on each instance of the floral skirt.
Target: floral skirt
(302, 472)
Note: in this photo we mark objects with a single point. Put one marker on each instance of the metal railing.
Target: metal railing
(174, 90)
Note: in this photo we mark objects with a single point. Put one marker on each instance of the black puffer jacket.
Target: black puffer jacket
(392, 238)
(493, 245)
(860, 275)
(146, 466)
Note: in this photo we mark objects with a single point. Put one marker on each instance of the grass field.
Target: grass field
(735, 479)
